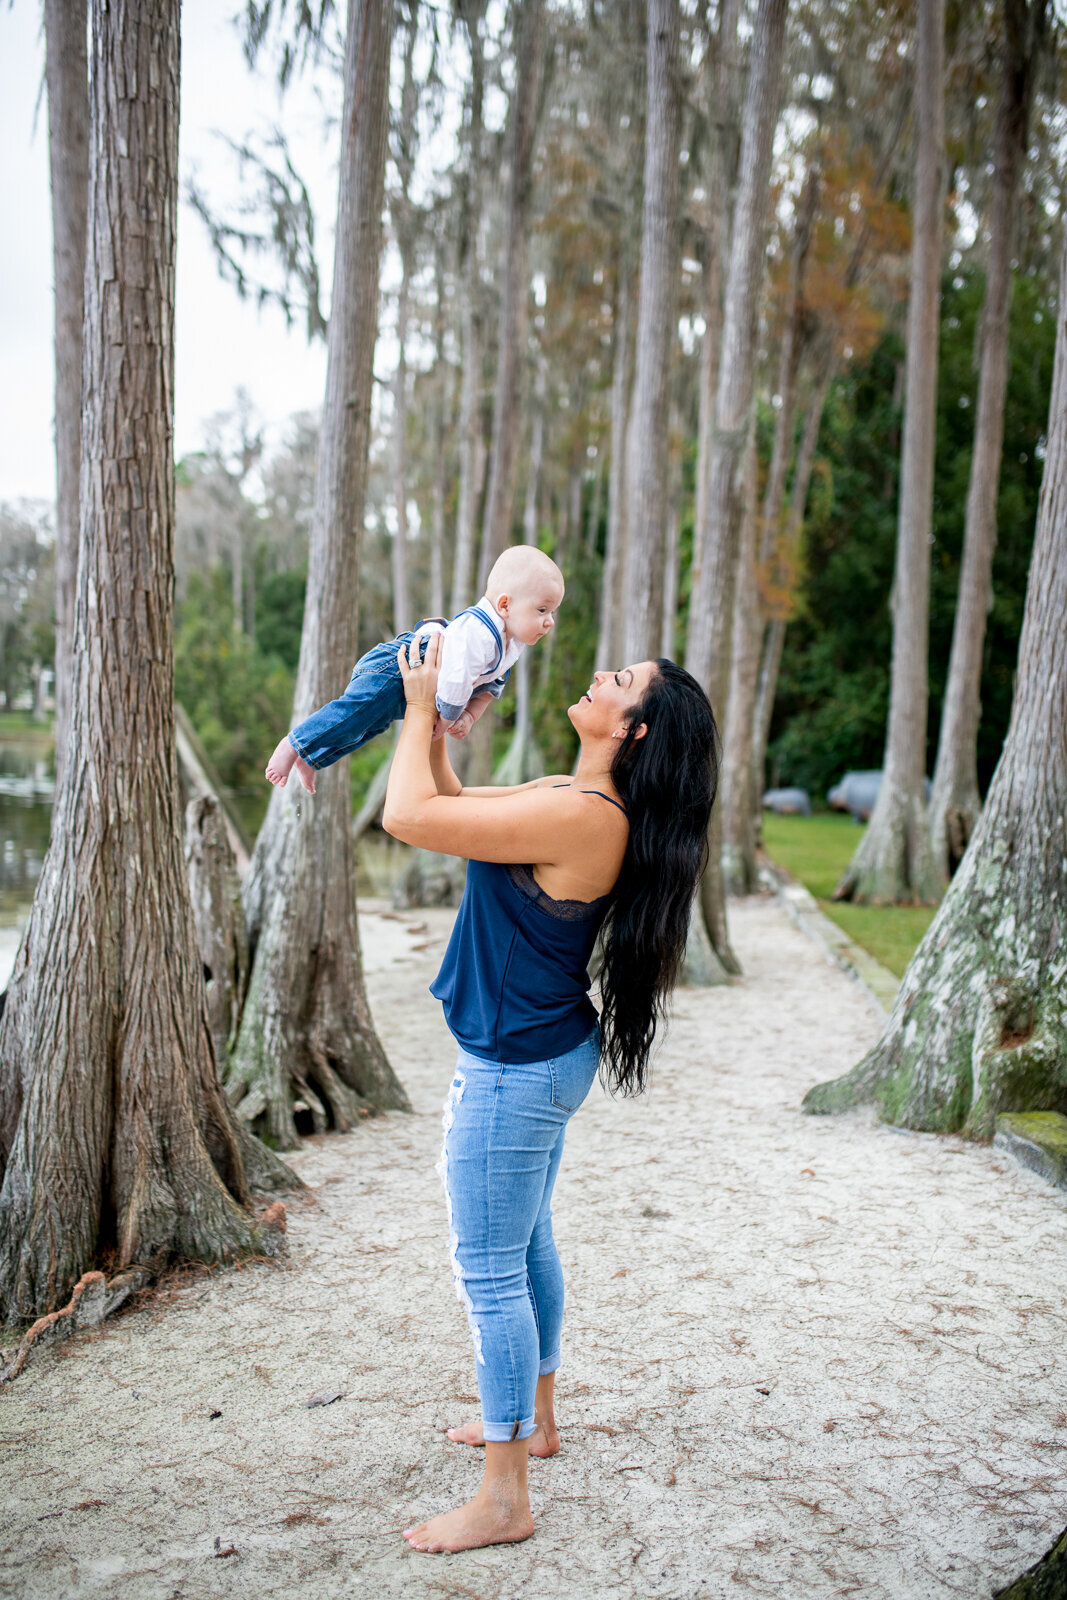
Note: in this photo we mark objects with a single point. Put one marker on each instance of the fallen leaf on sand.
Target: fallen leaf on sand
(325, 1397)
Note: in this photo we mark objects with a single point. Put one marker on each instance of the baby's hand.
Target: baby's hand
(439, 729)
(462, 726)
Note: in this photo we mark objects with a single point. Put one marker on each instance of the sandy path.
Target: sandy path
(803, 1357)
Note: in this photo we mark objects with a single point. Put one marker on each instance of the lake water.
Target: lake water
(27, 777)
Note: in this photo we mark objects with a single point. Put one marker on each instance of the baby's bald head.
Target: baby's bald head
(525, 586)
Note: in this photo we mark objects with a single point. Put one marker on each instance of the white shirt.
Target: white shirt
(476, 653)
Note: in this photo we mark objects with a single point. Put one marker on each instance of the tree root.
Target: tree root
(979, 1026)
(1045, 1580)
(894, 861)
(95, 1296)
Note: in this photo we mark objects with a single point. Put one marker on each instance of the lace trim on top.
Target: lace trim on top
(562, 910)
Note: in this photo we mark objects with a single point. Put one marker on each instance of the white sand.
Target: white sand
(899, 1297)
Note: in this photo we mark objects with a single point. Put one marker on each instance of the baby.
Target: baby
(477, 652)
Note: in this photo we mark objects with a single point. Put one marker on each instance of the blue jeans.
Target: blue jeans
(373, 700)
(504, 1129)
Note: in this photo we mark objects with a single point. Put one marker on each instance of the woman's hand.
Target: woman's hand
(420, 677)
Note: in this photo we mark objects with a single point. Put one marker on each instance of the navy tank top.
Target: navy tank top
(513, 981)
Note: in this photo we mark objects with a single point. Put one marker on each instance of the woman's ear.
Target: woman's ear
(640, 730)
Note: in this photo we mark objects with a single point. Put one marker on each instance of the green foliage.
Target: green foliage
(834, 688)
(238, 697)
(280, 616)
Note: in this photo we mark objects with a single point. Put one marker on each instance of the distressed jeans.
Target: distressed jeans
(504, 1128)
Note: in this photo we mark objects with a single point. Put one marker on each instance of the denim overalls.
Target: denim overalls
(373, 701)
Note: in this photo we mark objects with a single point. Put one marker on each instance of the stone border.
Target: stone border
(1037, 1139)
(880, 984)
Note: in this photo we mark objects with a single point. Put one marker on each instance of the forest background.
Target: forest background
(244, 499)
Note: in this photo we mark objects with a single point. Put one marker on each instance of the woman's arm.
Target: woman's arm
(538, 824)
(489, 792)
(441, 768)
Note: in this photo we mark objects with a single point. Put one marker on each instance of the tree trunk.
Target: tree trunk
(955, 802)
(774, 637)
(980, 1023)
(824, 362)
(523, 759)
(712, 601)
(503, 455)
(441, 411)
(306, 1032)
(760, 555)
(66, 74)
(115, 1135)
(471, 465)
(404, 231)
(402, 617)
(740, 803)
(648, 440)
(530, 518)
(221, 936)
(894, 863)
(722, 95)
(592, 529)
(609, 630)
(669, 613)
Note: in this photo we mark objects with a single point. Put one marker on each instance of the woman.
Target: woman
(622, 843)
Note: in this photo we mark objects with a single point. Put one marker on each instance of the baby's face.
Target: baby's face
(529, 611)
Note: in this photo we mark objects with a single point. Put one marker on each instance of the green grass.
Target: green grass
(23, 722)
(816, 850)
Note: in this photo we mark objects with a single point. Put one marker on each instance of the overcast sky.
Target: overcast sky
(221, 342)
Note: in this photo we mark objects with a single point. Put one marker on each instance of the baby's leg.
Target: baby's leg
(282, 763)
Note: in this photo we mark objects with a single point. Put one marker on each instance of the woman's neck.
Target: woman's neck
(594, 768)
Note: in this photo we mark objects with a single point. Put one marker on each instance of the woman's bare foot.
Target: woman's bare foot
(490, 1518)
(543, 1442)
(283, 761)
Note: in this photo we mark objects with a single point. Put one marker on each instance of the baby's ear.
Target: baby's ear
(501, 602)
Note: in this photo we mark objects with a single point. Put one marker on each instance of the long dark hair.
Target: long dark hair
(668, 780)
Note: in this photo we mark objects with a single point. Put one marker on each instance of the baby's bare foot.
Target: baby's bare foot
(281, 764)
(305, 773)
(484, 1520)
(544, 1441)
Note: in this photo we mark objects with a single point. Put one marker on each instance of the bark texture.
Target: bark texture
(471, 447)
(762, 553)
(894, 863)
(980, 1023)
(442, 396)
(504, 450)
(712, 600)
(774, 636)
(955, 801)
(403, 217)
(67, 78)
(740, 803)
(114, 1132)
(215, 891)
(609, 632)
(723, 88)
(307, 1044)
(648, 440)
